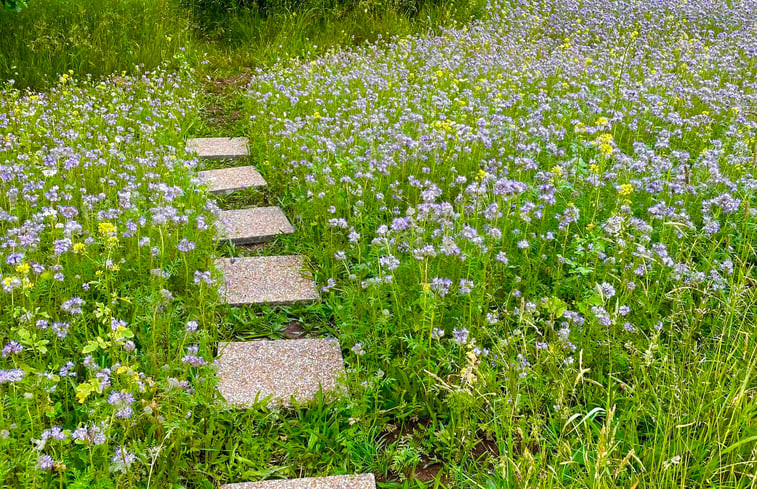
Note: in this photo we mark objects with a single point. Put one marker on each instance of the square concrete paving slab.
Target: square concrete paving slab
(274, 280)
(360, 481)
(253, 225)
(281, 369)
(218, 148)
(227, 180)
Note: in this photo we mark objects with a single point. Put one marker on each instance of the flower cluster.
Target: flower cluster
(576, 170)
(94, 195)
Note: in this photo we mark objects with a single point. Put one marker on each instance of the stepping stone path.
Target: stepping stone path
(273, 280)
(362, 481)
(218, 148)
(279, 370)
(254, 225)
(227, 180)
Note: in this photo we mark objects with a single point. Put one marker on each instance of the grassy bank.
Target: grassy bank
(98, 38)
(264, 36)
(51, 37)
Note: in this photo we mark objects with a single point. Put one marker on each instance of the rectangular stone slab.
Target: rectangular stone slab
(218, 148)
(274, 280)
(360, 481)
(227, 180)
(253, 225)
(281, 369)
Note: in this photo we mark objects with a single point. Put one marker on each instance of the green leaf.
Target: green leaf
(14, 5)
(556, 307)
(90, 347)
(85, 389)
(122, 333)
(594, 300)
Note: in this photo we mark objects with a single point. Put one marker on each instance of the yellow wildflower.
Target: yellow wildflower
(626, 189)
(107, 229)
(605, 138)
(605, 144)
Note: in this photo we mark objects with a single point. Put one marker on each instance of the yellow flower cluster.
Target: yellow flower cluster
(625, 190)
(445, 125)
(107, 229)
(110, 231)
(604, 142)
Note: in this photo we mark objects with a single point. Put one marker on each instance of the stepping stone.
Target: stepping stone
(218, 148)
(253, 225)
(281, 369)
(227, 180)
(274, 280)
(361, 481)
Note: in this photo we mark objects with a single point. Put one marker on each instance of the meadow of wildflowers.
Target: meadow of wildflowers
(105, 242)
(538, 233)
(534, 237)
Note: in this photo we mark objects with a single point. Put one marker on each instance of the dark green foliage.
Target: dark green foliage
(14, 5)
(334, 7)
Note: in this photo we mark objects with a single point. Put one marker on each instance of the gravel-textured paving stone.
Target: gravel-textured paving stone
(227, 180)
(361, 481)
(281, 369)
(275, 280)
(218, 148)
(253, 225)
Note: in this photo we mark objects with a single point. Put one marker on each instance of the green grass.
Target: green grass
(97, 37)
(246, 38)
(101, 37)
